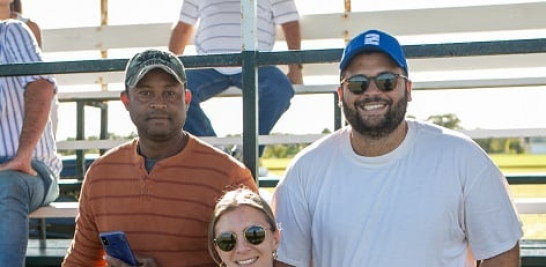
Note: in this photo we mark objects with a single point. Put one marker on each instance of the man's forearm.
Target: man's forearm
(38, 96)
(292, 34)
(180, 36)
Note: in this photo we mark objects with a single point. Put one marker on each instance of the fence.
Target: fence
(436, 49)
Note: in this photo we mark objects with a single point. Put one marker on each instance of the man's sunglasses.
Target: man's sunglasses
(385, 82)
(254, 234)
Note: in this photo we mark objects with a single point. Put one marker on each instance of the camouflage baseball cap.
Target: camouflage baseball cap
(151, 59)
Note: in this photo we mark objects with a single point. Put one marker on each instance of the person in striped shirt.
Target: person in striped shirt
(16, 8)
(219, 31)
(29, 164)
(160, 188)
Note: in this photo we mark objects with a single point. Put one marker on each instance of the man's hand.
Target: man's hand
(38, 96)
(295, 74)
(142, 262)
(19, 165)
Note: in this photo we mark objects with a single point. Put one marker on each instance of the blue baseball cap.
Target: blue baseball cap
(374, 41)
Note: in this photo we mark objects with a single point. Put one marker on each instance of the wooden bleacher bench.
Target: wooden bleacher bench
(50, 252)
(46, 256)
(533, 253)
(57, 210)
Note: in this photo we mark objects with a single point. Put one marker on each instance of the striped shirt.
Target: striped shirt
(18, 45)
(164, 213)
(219, 29)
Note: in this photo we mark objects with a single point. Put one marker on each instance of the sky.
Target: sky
(477, 108)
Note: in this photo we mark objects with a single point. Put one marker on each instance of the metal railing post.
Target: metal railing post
(80, 135)
(250, 92)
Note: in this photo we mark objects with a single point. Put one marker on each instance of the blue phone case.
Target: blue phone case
(115, 244)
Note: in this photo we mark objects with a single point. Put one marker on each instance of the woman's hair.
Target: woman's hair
(232, 200)
(16, 6)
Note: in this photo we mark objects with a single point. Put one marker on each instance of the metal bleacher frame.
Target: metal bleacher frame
(522, 17)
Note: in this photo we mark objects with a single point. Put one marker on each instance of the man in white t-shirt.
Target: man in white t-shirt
(390, 191)
(219, 31)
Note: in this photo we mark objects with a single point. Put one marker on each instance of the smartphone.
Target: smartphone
(115, 244)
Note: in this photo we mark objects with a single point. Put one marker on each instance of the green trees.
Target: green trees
(490, 145)
(449, 120)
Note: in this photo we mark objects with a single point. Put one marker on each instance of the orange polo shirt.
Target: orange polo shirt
(164, 213)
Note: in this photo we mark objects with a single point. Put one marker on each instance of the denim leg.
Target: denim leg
(274, 94)
(203, 84)
(19, 194)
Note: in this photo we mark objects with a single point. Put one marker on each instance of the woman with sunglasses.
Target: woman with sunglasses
(243, 230)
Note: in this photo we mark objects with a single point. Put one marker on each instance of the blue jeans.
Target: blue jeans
(21, 194)
(274, 92)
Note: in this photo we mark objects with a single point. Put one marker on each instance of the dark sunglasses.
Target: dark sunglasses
(254, 234)
(385, 82)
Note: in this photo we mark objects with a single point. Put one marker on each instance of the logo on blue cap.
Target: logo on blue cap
(374, 41)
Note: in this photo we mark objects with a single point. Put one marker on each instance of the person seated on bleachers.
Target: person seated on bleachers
(29, 164)
(160, 188)
(220, 32)
(16, 8)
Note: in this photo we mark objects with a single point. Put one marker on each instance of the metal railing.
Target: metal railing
(250, 137)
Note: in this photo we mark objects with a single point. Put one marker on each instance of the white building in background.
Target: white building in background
(537, 145)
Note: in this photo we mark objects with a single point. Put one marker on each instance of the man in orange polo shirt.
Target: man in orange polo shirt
(160, 188)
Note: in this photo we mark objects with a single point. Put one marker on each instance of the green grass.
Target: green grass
(534, 225)
(508, 163)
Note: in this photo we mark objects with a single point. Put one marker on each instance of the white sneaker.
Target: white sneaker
(263, 171)
(224, 149)
(237, 152)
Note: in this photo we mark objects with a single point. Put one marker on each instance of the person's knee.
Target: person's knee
(273, 81)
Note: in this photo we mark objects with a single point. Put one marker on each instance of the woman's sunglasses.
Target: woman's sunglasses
(385, 82)
(254, 234)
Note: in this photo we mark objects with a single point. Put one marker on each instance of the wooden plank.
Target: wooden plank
(57, 210)
(70, 209)
(51, 254)
(263, 139)
(428, 21)
(486, 18)
(530, 205)
(298, 138)
(106, 37)
(113, 95)
(533, 252)
(505, 133)
(55, 251)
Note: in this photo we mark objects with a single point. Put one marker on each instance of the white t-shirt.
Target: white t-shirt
(219, 29)
(420, 205)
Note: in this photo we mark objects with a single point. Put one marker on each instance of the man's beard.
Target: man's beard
(376, 127)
